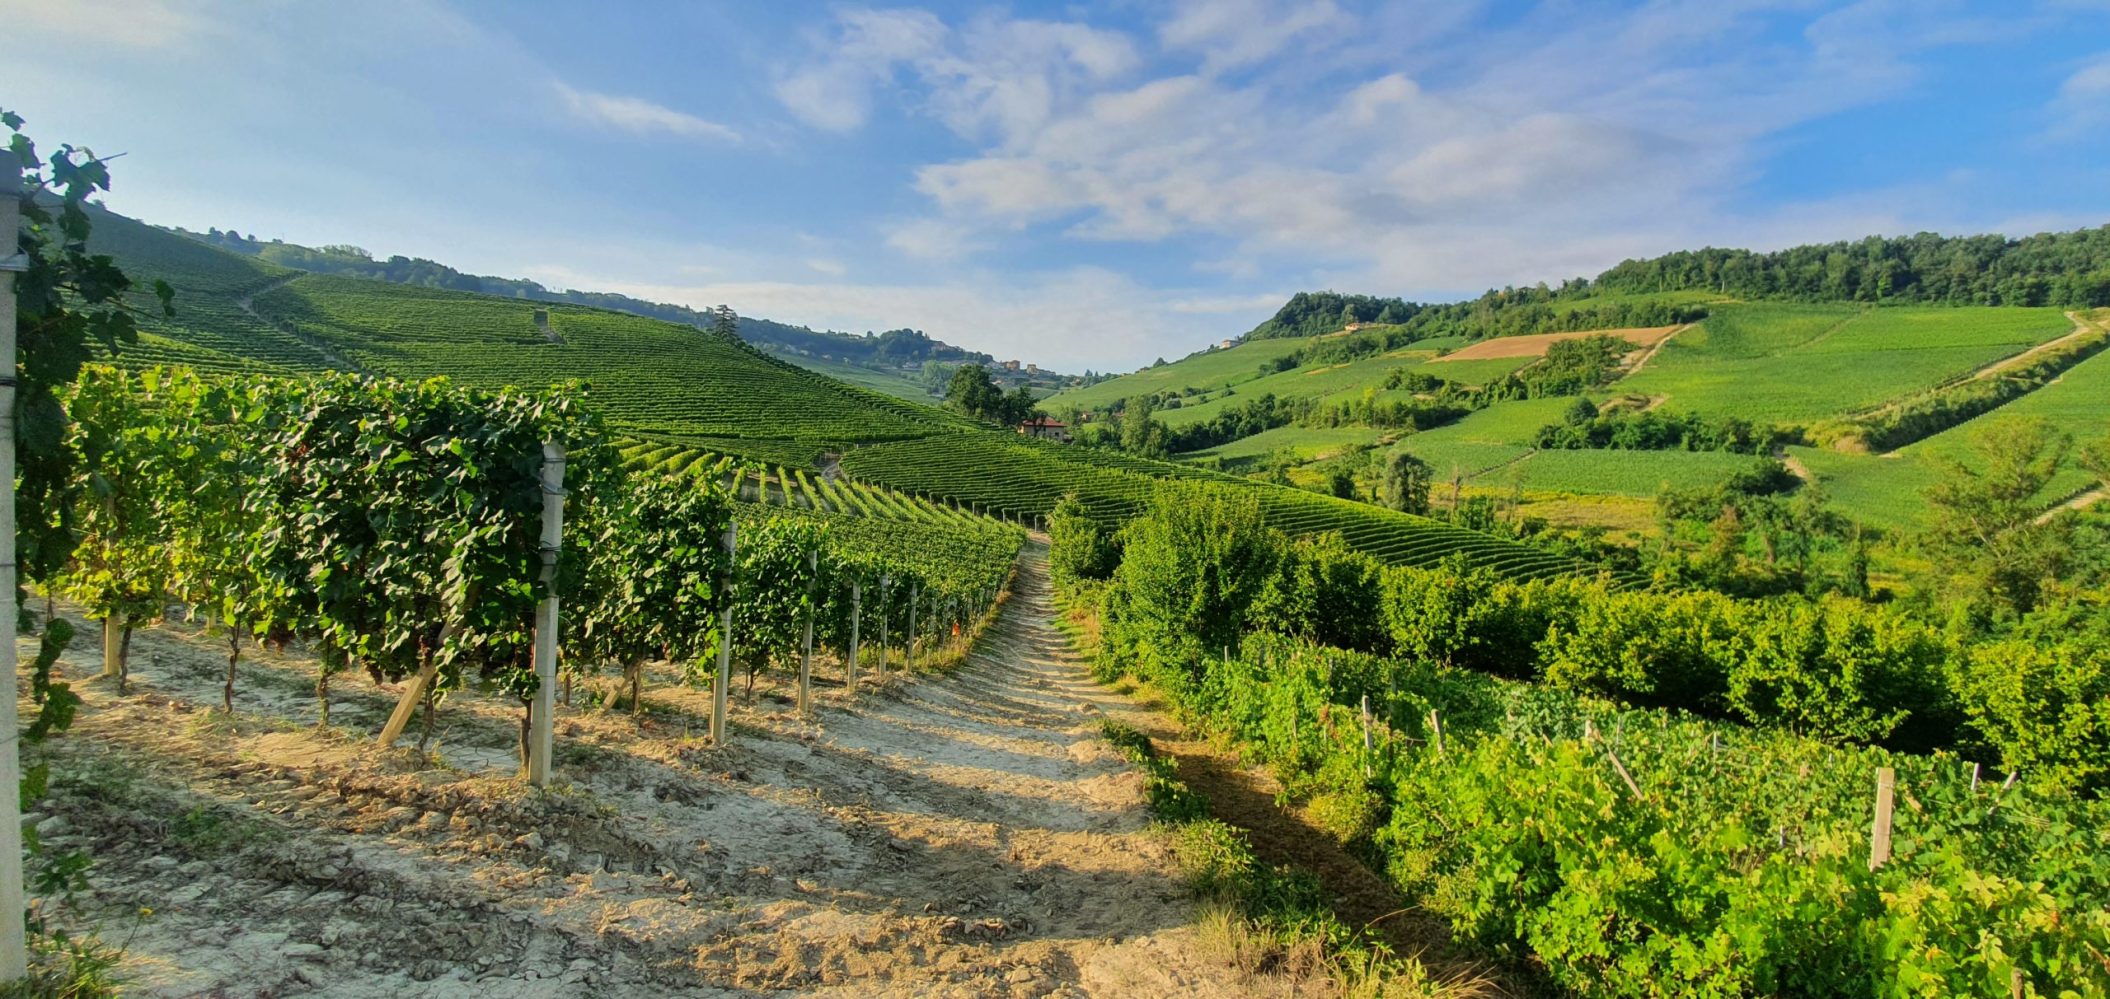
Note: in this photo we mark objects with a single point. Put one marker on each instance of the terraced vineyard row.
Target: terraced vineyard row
(646, 374)
(798, 488)
(1024, 479)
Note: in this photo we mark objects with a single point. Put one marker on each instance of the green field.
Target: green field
(1885, 489)
(1324, 383)
(1211, 370)
(1307, 443)
(894, 383)
(1806, 363)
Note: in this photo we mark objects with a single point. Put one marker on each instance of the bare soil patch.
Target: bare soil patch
(1534, 345)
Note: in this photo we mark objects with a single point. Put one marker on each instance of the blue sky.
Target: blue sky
(1087, 185)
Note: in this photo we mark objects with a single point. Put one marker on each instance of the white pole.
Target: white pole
(14, 945)
(542, 714)
(813, 567)
(725, 647)
(856, 612)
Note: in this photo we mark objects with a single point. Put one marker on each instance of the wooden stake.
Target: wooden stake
(14, 943)
(856, 617)
(542, 711)
(1366, 735)
(725, 648)
(813, 567)
(1436, 730)
(413, 696)
(1974, 778)
(1879, 837)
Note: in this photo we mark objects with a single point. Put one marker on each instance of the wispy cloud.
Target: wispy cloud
(635, 114)
(2083, 101)
(136, 24)
(1553, 145)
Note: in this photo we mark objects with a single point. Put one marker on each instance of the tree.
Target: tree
(1078, 547)
(1405, 486)
(1017, 406)
(1190, 570)
(1987, 537)
(1140, 434)
(1340, 483)
(725, 322)
(973, 393)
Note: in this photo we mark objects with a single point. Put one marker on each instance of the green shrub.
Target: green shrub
(2044, 707)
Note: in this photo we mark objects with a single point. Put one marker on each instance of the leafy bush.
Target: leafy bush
(2044, 707)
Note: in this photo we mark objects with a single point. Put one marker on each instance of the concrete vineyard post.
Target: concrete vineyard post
(1974, 779)
(542, 714)
(14, 943)
(813, 567)
(856, 615)
(113, 645)
(725, 646)
(1879, 836)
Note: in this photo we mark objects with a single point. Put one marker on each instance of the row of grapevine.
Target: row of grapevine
(396, 526)
(1642, 850)
(1639, 852)
(1025, 479)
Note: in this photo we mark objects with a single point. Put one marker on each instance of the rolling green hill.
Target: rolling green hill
(694, 392)
(1815, 366)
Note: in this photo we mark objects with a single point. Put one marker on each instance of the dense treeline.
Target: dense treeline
(1629, 429)
(1743, 849)
(2067, 269)
(1501, 312)
(891, 348)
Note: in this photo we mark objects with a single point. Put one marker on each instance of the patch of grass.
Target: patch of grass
(207, 831)
(1170, 798)
(1258, 918)
(67, 967)
(1780, 363)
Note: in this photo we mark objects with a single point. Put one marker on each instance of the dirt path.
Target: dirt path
(1650, 355)
(247, 303)
(2081, 501)
(968, 835)
(2082, 326)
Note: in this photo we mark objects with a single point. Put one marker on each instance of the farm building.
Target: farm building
(1046, 429)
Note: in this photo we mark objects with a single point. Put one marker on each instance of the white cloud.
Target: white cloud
(823, 265)
(1551, 146)
(1234, 33)
(635, 114)
(933, 239)
(834, 93)
(2083, 101)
